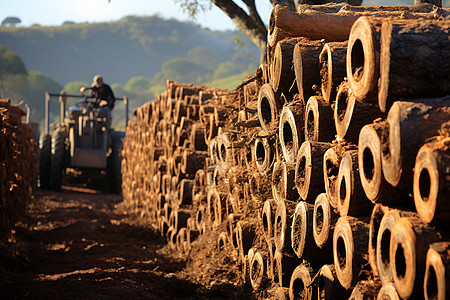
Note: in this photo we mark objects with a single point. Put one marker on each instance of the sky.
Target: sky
(55, 12)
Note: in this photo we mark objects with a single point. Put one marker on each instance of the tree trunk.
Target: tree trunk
(250, 24)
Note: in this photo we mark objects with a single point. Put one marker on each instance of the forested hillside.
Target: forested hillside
(135, 55)
(132, 46)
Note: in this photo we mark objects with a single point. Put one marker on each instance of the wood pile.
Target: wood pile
(327, 172)
(18, 159)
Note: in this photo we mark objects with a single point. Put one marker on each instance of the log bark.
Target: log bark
(197, 137)
(278, 184)
(318, 114)
(319, 23)
(302, 236)
(329, 287)
(350, 116)
(307, 67)
(282, 73)
(410, 124)
(284, 22)
(333, 68)
(414, 56)
(185, 194)
(350, 240)
(192, 162)
(324, 220)
(431, 182)
(308, 170)
(331, 161)
(283, 182)
(245, 234)
(352, 200)
(284, 265)
(283, 217)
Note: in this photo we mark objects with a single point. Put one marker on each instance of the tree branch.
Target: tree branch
(251, 25)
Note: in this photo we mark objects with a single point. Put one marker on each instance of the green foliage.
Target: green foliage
(182, 70)
(31, 90)
(74, 87)
(132, 46)
(138, 84)
(194, 7)
(11, 21)
(231, 82)
(204, 56)
(226, 69)
(10, 63)
(136, 56)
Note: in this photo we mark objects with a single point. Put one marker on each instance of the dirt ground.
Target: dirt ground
(79, 244)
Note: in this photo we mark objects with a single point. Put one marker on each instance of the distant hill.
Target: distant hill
(132, 46)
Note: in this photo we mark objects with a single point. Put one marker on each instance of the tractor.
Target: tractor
(82, 140)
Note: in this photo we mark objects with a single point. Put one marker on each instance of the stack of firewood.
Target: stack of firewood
(18, 159)
(327, 172)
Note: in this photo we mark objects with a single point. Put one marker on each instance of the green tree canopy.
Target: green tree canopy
(138, 84)
(183, 70)
(10, 63)
(10, 21)
(74, 87)
(30, 88)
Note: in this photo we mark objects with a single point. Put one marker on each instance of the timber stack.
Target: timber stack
(326, 174)
(18, 160)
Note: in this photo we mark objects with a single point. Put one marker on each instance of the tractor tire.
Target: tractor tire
(57, 161)
(45, 154)
(114, 173)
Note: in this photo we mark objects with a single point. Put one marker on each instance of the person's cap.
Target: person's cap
(97, 79)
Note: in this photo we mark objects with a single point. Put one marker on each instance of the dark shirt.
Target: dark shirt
(104, 93)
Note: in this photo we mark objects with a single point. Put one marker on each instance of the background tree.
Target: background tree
(246, 16)
(10, 64)
(11, 21)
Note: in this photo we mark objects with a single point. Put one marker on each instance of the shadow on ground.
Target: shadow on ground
(79, 245)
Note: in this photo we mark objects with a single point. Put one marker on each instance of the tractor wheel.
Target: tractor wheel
(45, 152)
(115, 163)
(57, 162)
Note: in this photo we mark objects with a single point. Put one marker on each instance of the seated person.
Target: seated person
(102, 91)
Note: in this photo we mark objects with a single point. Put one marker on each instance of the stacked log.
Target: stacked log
(18, 161)
(305, 171)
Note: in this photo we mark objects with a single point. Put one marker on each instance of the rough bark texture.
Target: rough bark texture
(332, 71)
(317, 117)
(414, 61)
(410, 124)
(282, 73)
(307, 68)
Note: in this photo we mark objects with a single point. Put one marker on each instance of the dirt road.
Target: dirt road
(80, 245)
